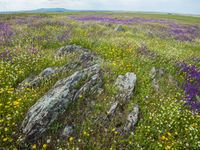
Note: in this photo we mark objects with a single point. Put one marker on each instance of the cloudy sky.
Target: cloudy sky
(174, 6)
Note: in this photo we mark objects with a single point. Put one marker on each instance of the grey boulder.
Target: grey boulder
(126, 85)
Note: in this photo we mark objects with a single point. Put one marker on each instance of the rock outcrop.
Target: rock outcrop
(84, 60)
(47, 109)
(35, 81)
(125, 85)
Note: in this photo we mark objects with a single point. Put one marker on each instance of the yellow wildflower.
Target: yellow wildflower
(44, 145)
(71, 138)
(163, 137)
(34, 146)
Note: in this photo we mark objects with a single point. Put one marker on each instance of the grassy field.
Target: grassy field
(168, 118)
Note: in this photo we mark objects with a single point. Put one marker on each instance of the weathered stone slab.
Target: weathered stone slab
(47, 109)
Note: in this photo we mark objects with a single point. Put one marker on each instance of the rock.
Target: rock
(153, 73)
(24, 83)
(111, 111)
(132, 119)
(68, 130)
(70, 49)
(48, 71)
(35, 81)
(113, 107)
(83, 61)
(91, 84)
(100, 91)
(119, 28)
(47, 109)
(126, 84)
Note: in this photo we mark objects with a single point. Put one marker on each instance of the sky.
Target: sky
(171, 6)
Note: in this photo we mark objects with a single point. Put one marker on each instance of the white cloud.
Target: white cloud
(179, 6)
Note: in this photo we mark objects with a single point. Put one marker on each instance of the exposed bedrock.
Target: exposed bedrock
(47, 109)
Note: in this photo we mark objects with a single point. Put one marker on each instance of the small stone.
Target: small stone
(153, 73)
(68, 130)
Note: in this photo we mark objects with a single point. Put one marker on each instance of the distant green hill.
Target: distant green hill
(43, 10)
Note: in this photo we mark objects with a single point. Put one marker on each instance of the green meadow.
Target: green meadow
(169, 118)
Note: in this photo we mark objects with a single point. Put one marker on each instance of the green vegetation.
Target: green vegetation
(29, 46)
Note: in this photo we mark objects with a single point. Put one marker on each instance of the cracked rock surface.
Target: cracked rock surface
(45, 111)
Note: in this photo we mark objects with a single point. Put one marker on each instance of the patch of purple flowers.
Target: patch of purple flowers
(170, 28)
(192, 80)
(191, 85)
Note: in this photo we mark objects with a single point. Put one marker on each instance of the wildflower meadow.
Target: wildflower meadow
(169, 109)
